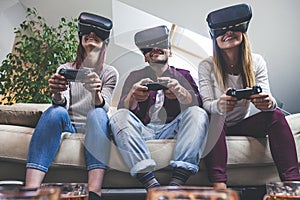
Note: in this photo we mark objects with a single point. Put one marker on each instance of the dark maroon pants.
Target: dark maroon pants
(282, 145)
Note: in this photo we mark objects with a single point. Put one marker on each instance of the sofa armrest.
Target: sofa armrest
(294, 122)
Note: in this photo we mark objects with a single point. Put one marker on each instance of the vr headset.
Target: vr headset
(157, 37)
(234, 18)
(88, 22)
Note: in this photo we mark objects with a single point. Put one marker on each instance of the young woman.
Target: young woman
(234, 66)
(79, 105)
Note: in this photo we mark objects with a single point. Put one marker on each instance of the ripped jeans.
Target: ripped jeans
(189, 129)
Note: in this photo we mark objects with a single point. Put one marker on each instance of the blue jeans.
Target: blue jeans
(46, 138)
(189, 129)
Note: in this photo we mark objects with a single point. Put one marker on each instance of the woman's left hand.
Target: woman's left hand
(92, 82)
(262, 101)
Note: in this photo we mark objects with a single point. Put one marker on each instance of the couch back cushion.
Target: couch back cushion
(22, 114)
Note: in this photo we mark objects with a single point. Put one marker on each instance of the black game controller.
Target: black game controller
(74, 74)
(161, 85)
(244, 93)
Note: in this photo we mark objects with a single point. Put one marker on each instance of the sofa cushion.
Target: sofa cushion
(294, 122)
(242, 150)
(22, 114)
(14, 141)
(246, 155)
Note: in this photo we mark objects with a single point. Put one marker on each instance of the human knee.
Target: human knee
(196, 113)
(275, 116)
(278, 114)
(55, 113)
(121, 125)
(120, 120)
(97, 114)
(120, 114)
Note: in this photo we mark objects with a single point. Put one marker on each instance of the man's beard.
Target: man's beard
(159, 62)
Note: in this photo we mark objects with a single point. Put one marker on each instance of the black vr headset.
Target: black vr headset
(88, 22)
(234, 18)
(157, 37)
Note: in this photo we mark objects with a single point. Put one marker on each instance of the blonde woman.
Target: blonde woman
(234, 66)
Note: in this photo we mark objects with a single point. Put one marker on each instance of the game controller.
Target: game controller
(74, 74)
(244, 93)
(161, 85)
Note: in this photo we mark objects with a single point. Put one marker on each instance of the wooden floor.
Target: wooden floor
(245, 193)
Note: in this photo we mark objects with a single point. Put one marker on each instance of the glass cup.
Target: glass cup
(71, 191)
(286, 190)
(190, 193)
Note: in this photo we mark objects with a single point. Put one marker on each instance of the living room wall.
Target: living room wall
(12, 13)
(273, 30)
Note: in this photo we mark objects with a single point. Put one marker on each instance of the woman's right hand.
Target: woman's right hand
(226, 103)
(57, 84)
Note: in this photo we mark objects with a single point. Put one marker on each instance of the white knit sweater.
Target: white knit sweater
(211, 93)
(80, 100)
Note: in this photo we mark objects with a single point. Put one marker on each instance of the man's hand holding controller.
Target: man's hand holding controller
(176, 90)
(138, 93)
(140, 90)
(172, 89)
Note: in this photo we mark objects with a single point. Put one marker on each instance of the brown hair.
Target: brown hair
(81, 56)
(247, 72)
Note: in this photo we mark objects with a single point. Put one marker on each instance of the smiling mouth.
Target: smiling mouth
(91, 39)
(156, 52)
(230, 37)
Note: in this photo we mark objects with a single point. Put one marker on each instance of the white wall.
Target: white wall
(12, 14)
(273, 31)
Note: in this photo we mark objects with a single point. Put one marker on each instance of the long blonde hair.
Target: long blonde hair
(247, 72)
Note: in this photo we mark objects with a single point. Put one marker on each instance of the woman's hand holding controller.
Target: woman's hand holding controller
(92, 82)
(262, 101)
(57, 84)
(226, 103)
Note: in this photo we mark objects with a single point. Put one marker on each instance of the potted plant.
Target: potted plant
(39, 49)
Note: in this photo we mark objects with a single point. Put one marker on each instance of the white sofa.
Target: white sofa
(249, 162)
